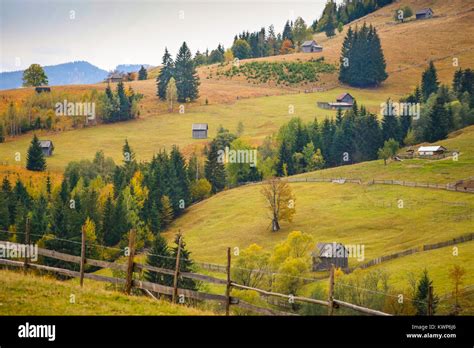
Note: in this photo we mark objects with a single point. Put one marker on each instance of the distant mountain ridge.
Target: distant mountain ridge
(72, 73)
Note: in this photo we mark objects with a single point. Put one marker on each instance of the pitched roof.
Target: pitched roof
(424, 11)
(342, 95)
(430, 148)
(309, 43)
(200, 126)
(46, 143)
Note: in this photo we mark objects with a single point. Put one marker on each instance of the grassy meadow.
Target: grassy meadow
(41, 295)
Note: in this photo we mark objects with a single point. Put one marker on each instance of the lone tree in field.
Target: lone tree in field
(34, 76)
(389, 149)
(35, 157)
(171, 93)
(142, 73)
(362, 62)
(280, 200)
(166, 72)
(187, 81)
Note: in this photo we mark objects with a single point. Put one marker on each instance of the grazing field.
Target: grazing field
(348, 213)
(40, 295)
(260, 116)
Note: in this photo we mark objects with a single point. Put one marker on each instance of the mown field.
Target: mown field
(40, 295)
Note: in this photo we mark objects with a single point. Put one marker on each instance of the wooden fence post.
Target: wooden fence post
(27, 244)
(176, 272)
(83, 255)
(130, 265)
(430, 300)
(227, 290)
(331, 291)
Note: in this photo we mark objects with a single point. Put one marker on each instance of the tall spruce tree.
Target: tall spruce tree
(214, 170)
(438, 122)
(35, 158)
(187, 80)
(420, 301)
(429, 81)
(166, 72)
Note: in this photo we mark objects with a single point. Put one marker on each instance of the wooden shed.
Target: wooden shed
(327, 254)
(424, 13)
(310, 46)
(200, 130)
(47, 147)
(344, 101)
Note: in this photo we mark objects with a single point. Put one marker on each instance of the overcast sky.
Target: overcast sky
(107, 33)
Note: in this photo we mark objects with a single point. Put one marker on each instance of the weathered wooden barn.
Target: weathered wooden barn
(200, 130)
(343, 101)
(424, 13)
(310, 46)
(327, 254)
(47, 147)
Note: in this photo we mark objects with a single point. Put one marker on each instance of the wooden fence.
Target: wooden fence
(461, 239)
(449, 187)
(129, 282)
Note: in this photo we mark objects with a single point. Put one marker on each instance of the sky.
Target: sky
(107, 33)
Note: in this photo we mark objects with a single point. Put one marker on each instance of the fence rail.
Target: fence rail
(461, 239)
(131, 266)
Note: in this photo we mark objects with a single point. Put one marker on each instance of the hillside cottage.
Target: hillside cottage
(114, 78)
(199, 130)
(424, 13)
(343, 101)
(431, 150)
(327, 254)
(47, 147)
(310, 46)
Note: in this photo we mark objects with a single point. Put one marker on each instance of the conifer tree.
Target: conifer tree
(166, 72)
(438, 122)
(160, 256)
(35, 158)
(390, 123)
(214, 170)
(362, 59)
(185, 264)
(420, 301)
(125, 106)
(187, 81)
(166, 211)
(429, 81)
(142, 73)
(107, 223)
